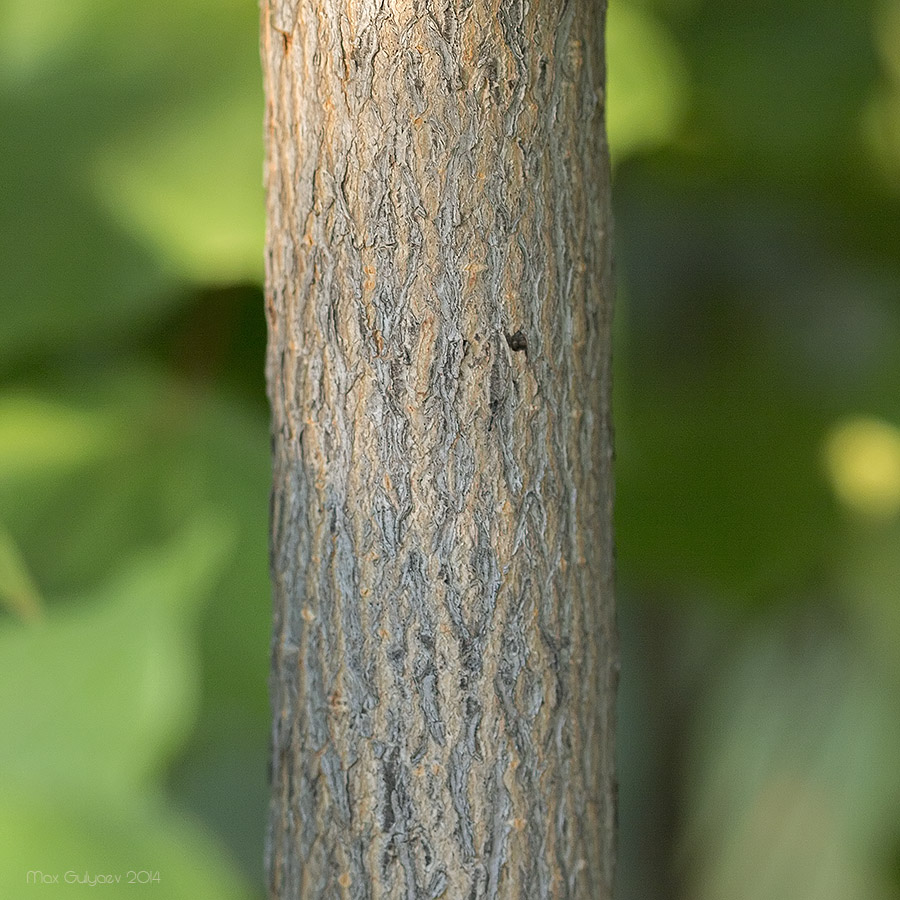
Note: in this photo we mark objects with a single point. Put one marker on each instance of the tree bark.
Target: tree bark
(439, 302)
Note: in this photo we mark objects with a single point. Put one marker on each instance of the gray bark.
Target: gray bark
(439, 301)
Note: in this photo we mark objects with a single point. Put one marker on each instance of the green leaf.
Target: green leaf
(103, 691)
(131, 160)
(17, 589)
(166, 462)
(190, 187)
(39, 435)
(78, 836)
(647, 82)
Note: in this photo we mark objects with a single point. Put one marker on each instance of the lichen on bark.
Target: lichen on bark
(439, 302)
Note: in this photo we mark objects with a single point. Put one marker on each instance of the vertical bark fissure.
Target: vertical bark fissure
(439, 301)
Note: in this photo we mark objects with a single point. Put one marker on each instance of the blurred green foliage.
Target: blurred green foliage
(756, 154)
(758, 451)
(133, 446)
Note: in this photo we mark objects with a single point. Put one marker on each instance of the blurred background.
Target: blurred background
(756, 153)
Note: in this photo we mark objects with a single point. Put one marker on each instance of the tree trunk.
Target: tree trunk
(439, 302)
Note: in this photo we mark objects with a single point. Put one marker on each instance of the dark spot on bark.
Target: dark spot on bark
(496, 394)
(517, 342)
(287, 774)
(389, 777)
(365, 46)
(427, 640)
(469, 654)
(495, 408)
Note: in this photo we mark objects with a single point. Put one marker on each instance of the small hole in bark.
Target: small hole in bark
(517, 342)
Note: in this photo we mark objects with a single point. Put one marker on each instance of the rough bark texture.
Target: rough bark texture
(438, 297)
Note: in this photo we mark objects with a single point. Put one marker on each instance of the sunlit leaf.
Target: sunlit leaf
(18, 591)
(862, 456)
(163, 103)
(647, 84)
(33, 35)
(191, 187)
(38, 434)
